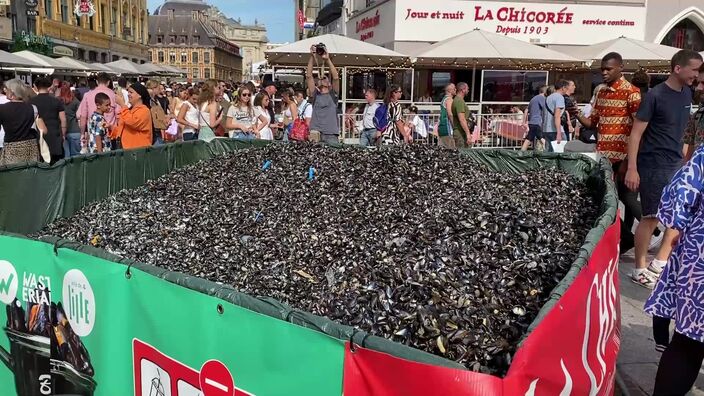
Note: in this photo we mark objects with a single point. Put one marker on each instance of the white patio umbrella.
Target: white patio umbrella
(43, 60)
(173, 69)
(102, 68)
(150, 68)
(344, 51)
(12, 60)
(75, 64)
(124, 66)
(478, 48)
(635, 53)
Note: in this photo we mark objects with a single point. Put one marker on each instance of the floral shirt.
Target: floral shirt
(679, 294)
(95, 129)
(613, 116)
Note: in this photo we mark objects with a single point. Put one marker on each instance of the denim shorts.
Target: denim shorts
(652, 184)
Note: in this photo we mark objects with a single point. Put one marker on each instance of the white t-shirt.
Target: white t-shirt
(368, 119)
(265, 133)
(305, 109)
(241, 115)
(191, 116)
(420, 126)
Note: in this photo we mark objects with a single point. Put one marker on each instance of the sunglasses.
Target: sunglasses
(245, 94)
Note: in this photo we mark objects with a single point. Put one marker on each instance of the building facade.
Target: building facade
(182, 34)
(251, 39)
(409, 25)
(114, 29)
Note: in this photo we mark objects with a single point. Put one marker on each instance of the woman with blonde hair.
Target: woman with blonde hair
(240, 116)
(21, 123)
(290, 111)
(210, 111)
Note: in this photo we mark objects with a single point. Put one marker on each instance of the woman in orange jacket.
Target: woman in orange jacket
(134, 127)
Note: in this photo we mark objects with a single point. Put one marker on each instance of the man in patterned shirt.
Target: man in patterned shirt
(612, 117)
(694, 134)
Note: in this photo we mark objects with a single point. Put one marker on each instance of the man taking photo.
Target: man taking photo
(324, 125)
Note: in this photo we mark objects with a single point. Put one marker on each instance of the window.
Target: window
(686, 34)
(183, 39)
(149, 55)
(194, 57)
(511, 86)
(104, 15)
(160, 55)
(31, 24)
(172, 57)
(206, 73)
(91, 23)
(64, 11)
(48, 8)
(159, 39)
(113, 22)
(206, 57)
(172, 39)
(196, 39)
(184, 57)
(195, 73)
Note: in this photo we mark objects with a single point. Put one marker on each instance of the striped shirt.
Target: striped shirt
(613, 115)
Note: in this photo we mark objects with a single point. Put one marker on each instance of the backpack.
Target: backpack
(381, 117)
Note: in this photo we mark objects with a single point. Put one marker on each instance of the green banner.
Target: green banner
(143, 335)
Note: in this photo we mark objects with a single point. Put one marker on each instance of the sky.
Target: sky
(277, 15)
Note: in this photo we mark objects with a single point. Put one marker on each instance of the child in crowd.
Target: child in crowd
(98, 140)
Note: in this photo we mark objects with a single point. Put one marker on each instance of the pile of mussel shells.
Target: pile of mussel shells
(415, 244)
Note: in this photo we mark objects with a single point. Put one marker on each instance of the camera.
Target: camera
(321, 49)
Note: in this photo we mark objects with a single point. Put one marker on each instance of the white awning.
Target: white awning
(344, 51)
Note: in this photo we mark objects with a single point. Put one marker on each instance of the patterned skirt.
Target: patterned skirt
(19, 152)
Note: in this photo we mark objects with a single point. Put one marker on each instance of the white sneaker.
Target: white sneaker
(655, 269)
(643, 279)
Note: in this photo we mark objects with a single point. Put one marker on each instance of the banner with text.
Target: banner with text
(540, 23)
(75, 324)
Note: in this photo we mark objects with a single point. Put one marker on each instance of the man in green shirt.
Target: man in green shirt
(460, 128)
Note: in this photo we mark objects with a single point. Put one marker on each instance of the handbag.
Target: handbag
(300, 130)
(44, 151)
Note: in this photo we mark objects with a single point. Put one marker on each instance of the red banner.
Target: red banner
(571, 352)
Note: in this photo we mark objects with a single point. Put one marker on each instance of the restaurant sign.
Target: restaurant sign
(540, 23)
(63, 51)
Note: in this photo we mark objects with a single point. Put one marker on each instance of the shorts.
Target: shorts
(447, 141)
(535, 132)
(652, 184)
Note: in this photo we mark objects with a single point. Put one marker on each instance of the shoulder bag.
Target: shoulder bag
(44, 151)
(300, 130)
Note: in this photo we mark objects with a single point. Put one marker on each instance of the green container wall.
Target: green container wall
(33, 195)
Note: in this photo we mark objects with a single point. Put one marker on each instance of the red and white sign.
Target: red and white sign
(572, 351)
(84, 7)
(542, 23)
(156, 373)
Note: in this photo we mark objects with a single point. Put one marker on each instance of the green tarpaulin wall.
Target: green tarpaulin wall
(33, 195)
